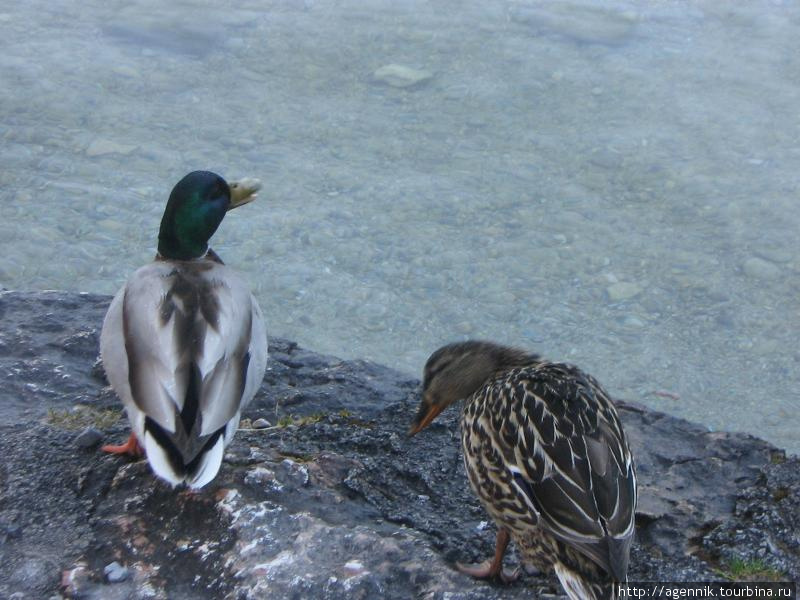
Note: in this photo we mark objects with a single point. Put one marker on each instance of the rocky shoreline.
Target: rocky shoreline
(329, 499)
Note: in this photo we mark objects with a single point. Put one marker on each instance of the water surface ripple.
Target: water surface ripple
(611, 183)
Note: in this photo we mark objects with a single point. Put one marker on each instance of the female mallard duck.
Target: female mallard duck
(546, 455)
(184, 343)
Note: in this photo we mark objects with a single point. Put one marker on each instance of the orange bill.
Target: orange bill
(425, 415)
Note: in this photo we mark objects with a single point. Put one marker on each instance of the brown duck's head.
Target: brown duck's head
(457, 370)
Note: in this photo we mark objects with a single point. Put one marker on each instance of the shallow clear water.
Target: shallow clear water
(614, 184)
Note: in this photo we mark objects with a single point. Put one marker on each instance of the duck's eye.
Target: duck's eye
(214, 193)
(437, 368)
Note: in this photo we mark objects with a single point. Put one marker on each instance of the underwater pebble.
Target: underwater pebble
(400, 76)
(261, 424)
(609, 278)
(578, 24)
(623, 290)
(88, 438)
(717, 296)
(725, 319)
(102, 147)
(533, 335)
(758, 268)
(126, 71)
(111, 225)
(775, 255)
(116, 573)
(464, 327)
(633, 321)
(606, 158)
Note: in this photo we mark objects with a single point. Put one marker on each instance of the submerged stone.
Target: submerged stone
(576, 22)
(623, 290)
(102, 147)
(758, 268)
(400, 76)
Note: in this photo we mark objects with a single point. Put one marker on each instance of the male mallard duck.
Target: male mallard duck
(184, 343)
(546, 455)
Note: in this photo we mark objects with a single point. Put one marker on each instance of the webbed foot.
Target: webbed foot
(131, 447)
(488, 570)
(493, 569)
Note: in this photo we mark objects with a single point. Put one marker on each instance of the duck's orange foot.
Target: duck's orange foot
(493, 569)
(488, 570)
(131, 447)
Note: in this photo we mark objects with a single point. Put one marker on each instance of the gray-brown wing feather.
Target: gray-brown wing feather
(564, 444)
(187, 338)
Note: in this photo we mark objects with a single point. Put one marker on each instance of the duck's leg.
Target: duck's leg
(131, 447)
(493, 569)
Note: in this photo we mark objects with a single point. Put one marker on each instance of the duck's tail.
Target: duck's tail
(579, 587)
(177, 461)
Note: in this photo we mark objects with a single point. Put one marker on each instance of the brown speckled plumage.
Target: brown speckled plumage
(546, 454)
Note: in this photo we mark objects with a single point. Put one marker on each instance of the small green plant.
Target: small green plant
(298, 458)
(738, 569)
(780, 493)
(777, 457)
(285, 421)
(292, 420)
(360, 423)
(80, 417)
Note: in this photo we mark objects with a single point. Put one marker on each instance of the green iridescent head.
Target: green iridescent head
(195, 209)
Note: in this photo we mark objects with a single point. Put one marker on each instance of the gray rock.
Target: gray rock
(115, 572)
(766, 521)
(341, 504)
(758, 268)
(88, 438)
(97, 370)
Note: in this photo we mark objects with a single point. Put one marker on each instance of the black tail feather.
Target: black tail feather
(175, 456)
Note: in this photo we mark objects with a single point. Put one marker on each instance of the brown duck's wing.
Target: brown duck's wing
(564, 445)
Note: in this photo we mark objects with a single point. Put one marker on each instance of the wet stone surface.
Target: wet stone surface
(333, 501)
